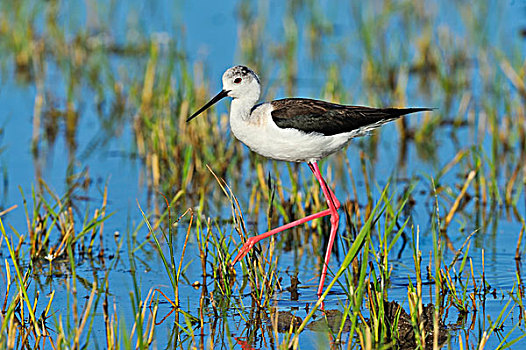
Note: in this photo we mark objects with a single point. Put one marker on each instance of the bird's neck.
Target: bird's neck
(241, 108)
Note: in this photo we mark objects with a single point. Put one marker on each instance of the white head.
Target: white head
(239, 82)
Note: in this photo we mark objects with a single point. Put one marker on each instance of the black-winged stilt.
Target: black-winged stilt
(296, 130)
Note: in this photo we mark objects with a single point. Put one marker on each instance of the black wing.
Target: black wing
(330, 118)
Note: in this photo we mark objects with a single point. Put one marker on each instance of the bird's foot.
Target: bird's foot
(249, 244)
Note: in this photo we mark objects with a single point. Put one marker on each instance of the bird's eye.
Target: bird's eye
(237, 80)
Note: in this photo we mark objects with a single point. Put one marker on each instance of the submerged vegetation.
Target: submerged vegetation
(98, 254)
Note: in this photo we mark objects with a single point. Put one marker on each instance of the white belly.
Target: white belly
(263, 136)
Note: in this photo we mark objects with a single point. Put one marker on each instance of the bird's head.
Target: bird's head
(238, 82)
(241, 82)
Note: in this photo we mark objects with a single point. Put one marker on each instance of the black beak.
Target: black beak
(219, 96)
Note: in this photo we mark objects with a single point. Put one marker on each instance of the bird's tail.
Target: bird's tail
(398, 112)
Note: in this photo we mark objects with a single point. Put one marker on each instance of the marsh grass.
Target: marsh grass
(52, 239)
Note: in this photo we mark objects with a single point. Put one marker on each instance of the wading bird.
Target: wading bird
(296, 130)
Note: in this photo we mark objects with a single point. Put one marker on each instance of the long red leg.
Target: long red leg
(253, 240)
(333, 204)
